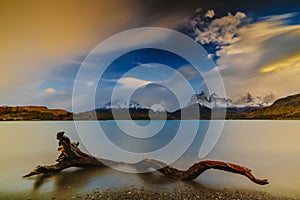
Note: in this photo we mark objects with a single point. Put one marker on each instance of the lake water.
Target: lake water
(270, 148)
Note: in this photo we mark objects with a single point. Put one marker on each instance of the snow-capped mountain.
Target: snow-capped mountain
(247, 100)
(212, 101)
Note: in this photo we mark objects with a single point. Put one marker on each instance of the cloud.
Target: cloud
(188, 71)
(256, 57)
(279, 19)
(50, 91)
(156, 94)
(36, 36)
(210, 56)
(283, 63)
(221, 30)
(129, 82)
(34, 95)
(210, 14)
(146, 93)
(264, 55)
(90, 83)
(121, 90)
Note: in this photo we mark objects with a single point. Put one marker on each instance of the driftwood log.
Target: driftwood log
(72, 156)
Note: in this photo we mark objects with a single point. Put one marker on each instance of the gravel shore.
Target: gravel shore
(183, 192)
(141, 193)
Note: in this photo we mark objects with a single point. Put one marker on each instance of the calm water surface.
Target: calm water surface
(270, 148)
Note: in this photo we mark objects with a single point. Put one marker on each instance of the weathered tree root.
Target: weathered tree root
(72, 156)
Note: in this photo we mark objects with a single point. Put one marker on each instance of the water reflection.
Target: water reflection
(78, 179)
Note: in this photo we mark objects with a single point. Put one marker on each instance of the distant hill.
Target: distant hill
(33, 113)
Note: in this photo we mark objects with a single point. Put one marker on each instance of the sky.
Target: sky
(254, 46)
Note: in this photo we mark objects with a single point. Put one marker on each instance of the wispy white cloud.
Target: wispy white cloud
(279, 19)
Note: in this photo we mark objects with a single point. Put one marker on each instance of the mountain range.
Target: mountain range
(246, 107)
